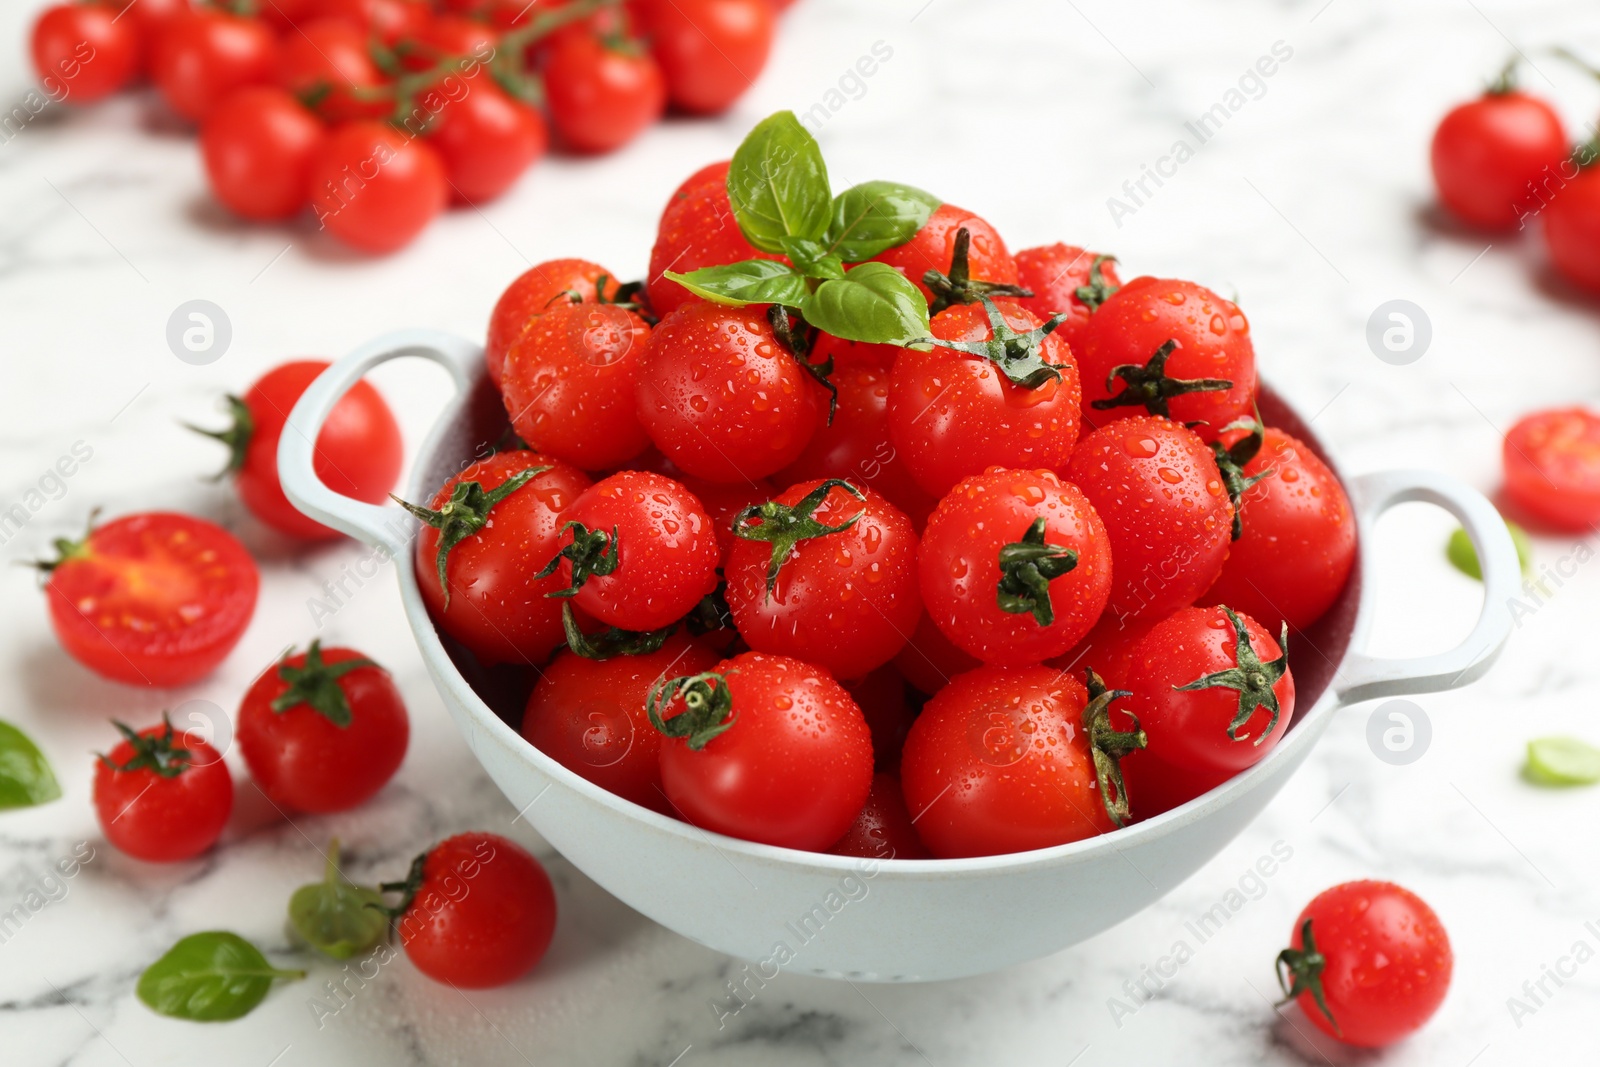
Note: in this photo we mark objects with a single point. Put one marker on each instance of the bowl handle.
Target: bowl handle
(1367, 677)
(376, 524)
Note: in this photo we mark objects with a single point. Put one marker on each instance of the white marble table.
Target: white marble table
(1311, 203)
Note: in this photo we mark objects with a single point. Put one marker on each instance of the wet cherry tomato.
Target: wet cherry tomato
(535, 291)
(883, 830)
(697, 230)
(1065, 278)
(161, 795)
(933, 248)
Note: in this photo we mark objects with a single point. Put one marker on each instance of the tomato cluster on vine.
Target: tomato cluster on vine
(376, 114)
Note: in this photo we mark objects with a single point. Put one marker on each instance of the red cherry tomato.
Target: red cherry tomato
(883, 830)
(601, 97)
(881, 696)
(257, 146)
(954, 413)
(1298, 537)
(722, 397)
(1016, 566)
(1552, 467)
(1572, 228)
(930, 660)
(1055, 273)
(1490, 155)
(451, 37)
(640, 551)
(153, 599)
(323, 730)
(390, 21)
(697, 230)
(765, 748)
(569, 384)
(201, 56)
(1000, 761)
(844, 595)
(84, 52)
(1369, 962)
(161, 795)
(151, 16)
(535, 291)
(589, 716)
(710, 51)
(481, 912)
(498, 607)
(486, 140)
(934, 245)
(374, 188)
(1167, 514)
(330, 60)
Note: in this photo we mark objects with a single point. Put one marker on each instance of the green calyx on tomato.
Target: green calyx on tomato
(798, 336)
(408, 888)
(959, 287)
(785, 526)
(712, 613)
(592, 553)
(1098, 291)
(1108, 745)
(707, 703)
(155, 753)
(236, 437)
(335, 916)
(316, 684)
(66, 548)
(1299, 971)
(1019, 356)
(1026, 570)
(778, 187)
(1250, 677)
(613, 641)
(1149, 387)
(464, 514)
(1231, 462)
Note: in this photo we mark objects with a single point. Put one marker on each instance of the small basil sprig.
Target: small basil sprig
(778, 187)
(209, 977)
(25, 775)
(335, 916)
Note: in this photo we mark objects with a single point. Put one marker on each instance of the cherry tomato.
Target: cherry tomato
(1000, 761)
(390, 21)
(322, 730)
(589, 716)
(883, 830)
(569, 384)
(152, 599)
(257, 146)
(697, 230)
(1016, 566)
(723, 501)
(535, 291)
(497, 537)
(450, 37)
(933, 248)
(881, 696)
(1489, 156)
(486, 140)
(1166, 511)
(722, 397)
(84, 52)
(374, 188)
(956, 412)
(639, 551)
(930, 660)
(203, 55)
(764, 748)
(161, 795)
(1298, 537)
(1061, 276)
(1572, 229)
(1552, 467)
(152, 16)
(825, 573)
(358, 452)
(601, 97)
(282, 15)
(479, 911)
(330, 60)
(1368, 961)
(710, 51)
(853, 355)
(1208, 375)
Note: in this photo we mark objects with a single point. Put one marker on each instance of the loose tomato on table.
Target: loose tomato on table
(161, 795)
(535, 291)
(84, 52)
(486, 139)
(710, 51)
(257, 146)
(1369, 963)
(1572, 224)
(322, 730)
(358, 450)
(151, 599)
(1552, 467)
(764, 748)
(601, 95)
(328, 63)
(374, 188)
(1492, 155)
(697, 229)
(204, 54)
(1066, 279)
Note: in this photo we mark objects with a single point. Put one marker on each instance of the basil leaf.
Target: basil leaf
(1464, 557)
(873, 303)
(209, 977)
(812, 259)
(752, 281)
(778, 184)
(1563, 761)
(333, 916)
(25, 775)
(873, 217)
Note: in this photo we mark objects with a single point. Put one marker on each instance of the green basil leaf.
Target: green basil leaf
(873, 303)
(778, 184)
(1563, 761)
(25, 775)
(333, 916)
(209, 977)
(1464, 557)
(812, 259)
(752, 281)
(873, 217)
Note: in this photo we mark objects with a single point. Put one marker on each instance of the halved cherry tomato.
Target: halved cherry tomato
(1552, 467)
